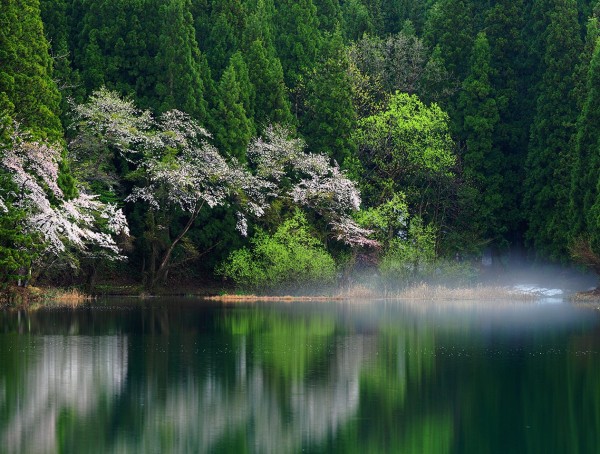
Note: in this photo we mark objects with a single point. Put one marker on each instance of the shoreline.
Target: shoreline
(427, 294)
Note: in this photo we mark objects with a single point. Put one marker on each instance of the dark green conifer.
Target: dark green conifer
(504, 26)
(26, 70)
(266, 74)
(297, 38)
(177, 62)
(329, 118)
(549, 159)
(232, 127)
(483, 163)
(450, 26)
(585, 203)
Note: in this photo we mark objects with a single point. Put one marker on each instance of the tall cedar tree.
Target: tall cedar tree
(266, 75)
(504, 27)
(177, 62)
(227, 21)
(233, 129)
(27, 91)
(57, 29)
(297, 38)
(548, 159)
(329, 118)
(356, 19)
(329, 13)
(483, 162)
(585, 190)
(582, 189)
(450, 26)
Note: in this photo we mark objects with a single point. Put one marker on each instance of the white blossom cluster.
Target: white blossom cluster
(181, 168)
(114, 121)
(314, 182)
(61, 222)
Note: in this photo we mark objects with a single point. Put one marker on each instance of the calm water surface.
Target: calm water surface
(190, 376)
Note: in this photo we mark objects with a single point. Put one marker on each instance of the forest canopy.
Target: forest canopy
(168, 140)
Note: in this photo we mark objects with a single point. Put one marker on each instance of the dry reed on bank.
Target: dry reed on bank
(427, 292)
(72, 297)
(258, 298)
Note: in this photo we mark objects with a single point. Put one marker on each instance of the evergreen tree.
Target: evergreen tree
(504, 26)
(232, 127)
(266, 75)
(177, 62)
(450, 26)
(247, 90)
(57, 29)
(227, 23)
(329, 14)
(330, 119)
(30, 94)
(548, 159)
(298, 38)
(357, 20)
(582, 68)
(271, 104)
(483, 163)
(585, 203)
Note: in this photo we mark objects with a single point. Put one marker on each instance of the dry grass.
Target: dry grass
(257, 298)
(478, 293)
(64, 297)
(420, 292)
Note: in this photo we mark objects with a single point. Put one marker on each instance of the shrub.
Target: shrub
(289, 259)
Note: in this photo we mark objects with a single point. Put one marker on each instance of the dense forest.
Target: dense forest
(278, 142)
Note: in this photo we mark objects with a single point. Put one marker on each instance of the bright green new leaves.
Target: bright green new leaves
(290, 258)
(404, 146)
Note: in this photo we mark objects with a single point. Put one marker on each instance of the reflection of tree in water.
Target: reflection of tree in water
(271, 379)
(263, 379)
(63, 373)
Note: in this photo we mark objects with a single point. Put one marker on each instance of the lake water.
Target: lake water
(368, 377)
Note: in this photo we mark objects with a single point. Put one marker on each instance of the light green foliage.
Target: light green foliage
(407, 148)
(411, 258)
(291, 258)
(387, 220)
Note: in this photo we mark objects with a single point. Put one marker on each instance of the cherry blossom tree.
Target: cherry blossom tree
(179, 170)
(81, 223)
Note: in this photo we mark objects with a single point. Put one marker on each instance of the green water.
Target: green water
(189, 376)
